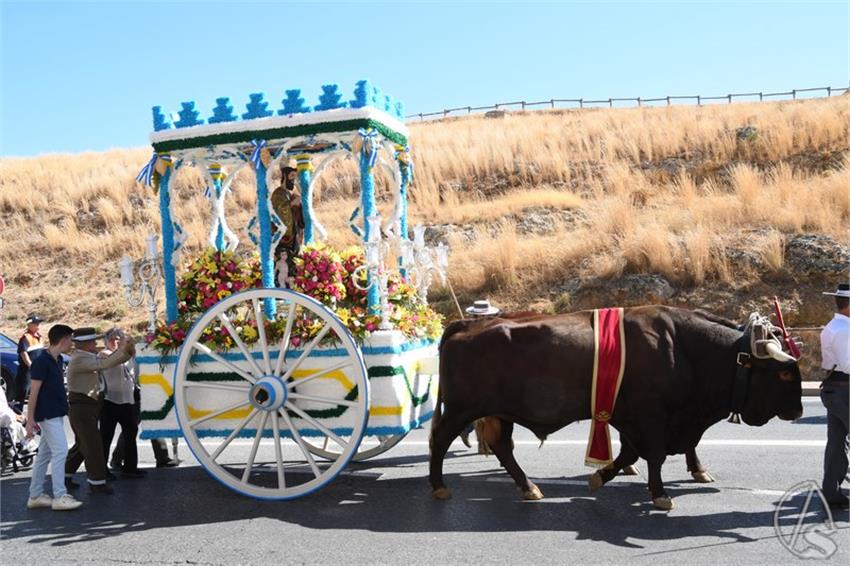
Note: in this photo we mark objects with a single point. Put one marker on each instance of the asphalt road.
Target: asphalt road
(381, 511)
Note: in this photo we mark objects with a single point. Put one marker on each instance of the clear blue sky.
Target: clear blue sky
(83, 76)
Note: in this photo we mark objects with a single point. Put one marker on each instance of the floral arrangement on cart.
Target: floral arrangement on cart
(334, 278)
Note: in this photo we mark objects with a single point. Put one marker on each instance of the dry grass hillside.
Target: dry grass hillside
(548, 210)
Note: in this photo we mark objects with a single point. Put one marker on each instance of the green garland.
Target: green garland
(279, 133)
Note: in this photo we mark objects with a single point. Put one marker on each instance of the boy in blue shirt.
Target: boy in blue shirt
(46, 411)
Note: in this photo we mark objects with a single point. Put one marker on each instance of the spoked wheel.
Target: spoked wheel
(290, 371)
(369, 448)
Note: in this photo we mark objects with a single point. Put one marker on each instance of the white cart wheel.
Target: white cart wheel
(365, 451)
(269, 398)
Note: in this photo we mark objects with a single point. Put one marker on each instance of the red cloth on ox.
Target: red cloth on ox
(609, 361)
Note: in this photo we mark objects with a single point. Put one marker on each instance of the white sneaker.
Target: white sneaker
(66, 503)
(40, 502)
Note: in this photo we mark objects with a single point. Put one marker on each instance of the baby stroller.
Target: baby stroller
(14, 453)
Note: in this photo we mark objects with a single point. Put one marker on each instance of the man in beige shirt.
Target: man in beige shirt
(84, 401)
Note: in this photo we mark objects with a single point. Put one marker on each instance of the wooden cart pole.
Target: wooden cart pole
(264, 219)
(368, 156)
(167, 226)
(305, 171)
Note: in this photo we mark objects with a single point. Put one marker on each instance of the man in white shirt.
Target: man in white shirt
(119, 408)
(835, 395)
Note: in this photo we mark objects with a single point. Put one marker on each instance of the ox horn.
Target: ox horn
(777, 354)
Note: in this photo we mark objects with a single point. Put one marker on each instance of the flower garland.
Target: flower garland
(321, 273)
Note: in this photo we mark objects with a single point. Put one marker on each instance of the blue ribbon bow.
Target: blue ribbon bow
(146, 174)
(255, 155)
(370, 145)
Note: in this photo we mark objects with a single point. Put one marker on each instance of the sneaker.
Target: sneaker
(170, 463)
(133, 474)
(66, 503)
(70, 484)
(101, 489)
(110, 476)
(40, 502)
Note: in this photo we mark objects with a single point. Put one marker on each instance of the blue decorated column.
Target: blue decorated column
(405, 167)
(264, 218)
(370, 208)
(217, 176)
(305, 171)
(167, 223)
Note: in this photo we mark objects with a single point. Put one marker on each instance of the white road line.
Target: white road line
(550, 481)
(704, 442)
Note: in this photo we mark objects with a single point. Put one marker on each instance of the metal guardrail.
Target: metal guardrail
(554, 103)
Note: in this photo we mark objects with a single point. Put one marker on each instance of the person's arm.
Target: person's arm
(33, 401)
(94, 363)
(842, 349)
(22, 350)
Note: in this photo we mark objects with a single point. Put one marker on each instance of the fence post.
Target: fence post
(445, 113)
(729, 97)
(699, 100)
(828, 91)
(421, 117)
(552, 102)
(497, 106)
(581, 103)
(523, 104)
(794, 94)
(639, 103)
(761, 96)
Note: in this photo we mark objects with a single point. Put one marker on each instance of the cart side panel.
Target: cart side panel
(401, 395)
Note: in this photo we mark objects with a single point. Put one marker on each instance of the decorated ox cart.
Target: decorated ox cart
(275, 381)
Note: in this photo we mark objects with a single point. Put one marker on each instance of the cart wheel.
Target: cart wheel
(366, 450)
(273, 400)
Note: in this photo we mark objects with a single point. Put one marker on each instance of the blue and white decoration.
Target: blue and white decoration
(188, 116)
(257, 107)
(365, 94)
(223, 111)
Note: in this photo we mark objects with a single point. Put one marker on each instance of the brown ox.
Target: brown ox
(682, 375)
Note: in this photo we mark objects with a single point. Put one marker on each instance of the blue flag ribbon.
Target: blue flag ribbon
(146, 174)
(370, 145)
(255, 155)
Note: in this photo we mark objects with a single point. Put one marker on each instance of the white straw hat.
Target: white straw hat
(482, 308)
(842, 291)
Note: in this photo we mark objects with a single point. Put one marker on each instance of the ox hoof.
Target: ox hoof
(532, 494)
(442, 494)
(595, 481)
(630, 470)
(702, 477)
(663, 503)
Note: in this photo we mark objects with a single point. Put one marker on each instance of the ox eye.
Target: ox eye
(786, 376)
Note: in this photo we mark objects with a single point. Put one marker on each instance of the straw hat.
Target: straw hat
(85, 334)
